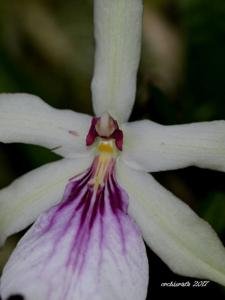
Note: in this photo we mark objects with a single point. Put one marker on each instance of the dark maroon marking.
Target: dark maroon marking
(92, 134)
(94, 212)
(86, 207)
(123, 205)
(77, 187)
(83, 200)
(102, 202)
(119, 203)
(117, 134)
(73, 132)
(56, 148)
(115, 197)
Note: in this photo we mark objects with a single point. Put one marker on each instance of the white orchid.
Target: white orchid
(85, 243)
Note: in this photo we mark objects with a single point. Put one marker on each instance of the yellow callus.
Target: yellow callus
(106, 147)
(104, 161)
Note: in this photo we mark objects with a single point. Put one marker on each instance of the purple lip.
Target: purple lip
(72, 249)
(88, 206)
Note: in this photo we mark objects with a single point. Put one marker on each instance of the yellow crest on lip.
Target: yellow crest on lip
(106, 147)
(106, 154)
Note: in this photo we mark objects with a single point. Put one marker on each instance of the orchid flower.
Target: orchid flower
(92, 209)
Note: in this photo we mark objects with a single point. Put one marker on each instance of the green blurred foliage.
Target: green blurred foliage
(213, 209)
(204, 24)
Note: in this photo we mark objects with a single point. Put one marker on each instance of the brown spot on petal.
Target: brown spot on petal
(56, 148)
(73, 132)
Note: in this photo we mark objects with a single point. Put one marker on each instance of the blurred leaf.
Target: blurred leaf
(213, 210)
(7, 249)
(36, 155)
(203, 23)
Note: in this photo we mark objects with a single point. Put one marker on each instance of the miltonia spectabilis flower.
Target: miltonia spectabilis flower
(94, 206)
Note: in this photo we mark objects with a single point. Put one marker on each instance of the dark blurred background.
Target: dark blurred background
(47, 47)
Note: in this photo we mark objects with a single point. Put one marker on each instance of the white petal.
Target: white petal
(185, 242)
(87, 247)
(26, 118)
(153, 147)
(118, 25)
(27, 197)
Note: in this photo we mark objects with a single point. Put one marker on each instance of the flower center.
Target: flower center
(103, 164)
(102, 169)
(106, 128)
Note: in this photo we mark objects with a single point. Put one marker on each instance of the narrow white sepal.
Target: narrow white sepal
(153, 147)
(185, 242)
(118, 26)
(26, 118)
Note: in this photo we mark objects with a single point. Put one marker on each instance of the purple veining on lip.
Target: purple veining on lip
(88, 206)
(71, 244)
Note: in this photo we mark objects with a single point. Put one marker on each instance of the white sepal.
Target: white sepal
(153, 147)
(185, 242)
(118, 26)
(26, 118)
